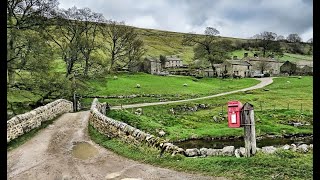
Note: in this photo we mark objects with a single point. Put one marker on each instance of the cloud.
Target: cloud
(232, 18)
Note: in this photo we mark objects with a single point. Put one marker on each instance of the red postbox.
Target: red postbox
(234, 110)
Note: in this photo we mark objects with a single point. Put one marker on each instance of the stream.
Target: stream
(237, 143)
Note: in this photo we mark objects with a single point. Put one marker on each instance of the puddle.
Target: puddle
(83, 150)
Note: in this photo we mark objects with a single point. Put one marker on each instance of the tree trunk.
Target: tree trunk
(213, 68)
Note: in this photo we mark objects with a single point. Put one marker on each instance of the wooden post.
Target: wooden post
(247, 121)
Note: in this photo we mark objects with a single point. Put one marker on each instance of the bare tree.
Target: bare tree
(135, 52)
(209, 46)
(263, 65)
(294, 38)
(74, 33)
(118, 36)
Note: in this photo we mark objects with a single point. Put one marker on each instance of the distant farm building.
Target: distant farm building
(173, 62)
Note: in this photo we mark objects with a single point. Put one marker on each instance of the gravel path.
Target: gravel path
(264, 82)
(49, 156)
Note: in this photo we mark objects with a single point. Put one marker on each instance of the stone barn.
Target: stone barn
(152, 65)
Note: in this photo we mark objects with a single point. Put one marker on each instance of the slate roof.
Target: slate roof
(259, 59)
(239, 62)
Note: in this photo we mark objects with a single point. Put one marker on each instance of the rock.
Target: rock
(185, 84)
(311, 146)
(228, 151)
(192, 152)
(237, 153)
(293, 147)
(203, 151)
(286, 147)
(269, 149)
(138, 86)
(297, 124)
(162, 133)
(258, 149)
(242, 151)
(303, 148)
(214, 152)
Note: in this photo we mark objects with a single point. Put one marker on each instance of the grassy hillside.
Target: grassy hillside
(169, 43)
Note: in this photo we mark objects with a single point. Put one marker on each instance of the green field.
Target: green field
(273, 119)
(166, 85)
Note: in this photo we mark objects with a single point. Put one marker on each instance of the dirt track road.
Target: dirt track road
(264, 82)
(48, 156)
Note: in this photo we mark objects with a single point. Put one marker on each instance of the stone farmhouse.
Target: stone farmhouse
(152, 65)
(173, 62)
(267, 65)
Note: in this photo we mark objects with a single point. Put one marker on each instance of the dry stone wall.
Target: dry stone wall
(113, 128)
(23, 123)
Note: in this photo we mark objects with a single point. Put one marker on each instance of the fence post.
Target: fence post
(247, 120)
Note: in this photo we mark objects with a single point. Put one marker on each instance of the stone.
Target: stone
(237, 153)
(293, 147)
(162, 133)
(297, 124)
(303, 148)
(203, 151)
(192, 152)
(286, 147)
(311, 146)
(242, 151)
(228, 151)
(214, 152)
(269, 149)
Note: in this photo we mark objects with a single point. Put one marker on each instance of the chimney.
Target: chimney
(245, 55)
(235, 57)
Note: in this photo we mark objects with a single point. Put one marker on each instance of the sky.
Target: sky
(233, 18)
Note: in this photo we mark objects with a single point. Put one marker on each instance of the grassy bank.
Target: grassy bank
(273, 119)
(282, 165)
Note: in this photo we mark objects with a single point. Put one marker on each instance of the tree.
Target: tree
(74, 33)
(310, 41)
(118, 36)
(88, 42)
(280, 38)
(294, 38)
(267, 42)
(208, 47)
(163, 60)
(263, 65)
(288, 67)
(24, 18)
(135, 52)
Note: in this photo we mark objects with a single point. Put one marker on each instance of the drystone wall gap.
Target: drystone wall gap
(23, 123)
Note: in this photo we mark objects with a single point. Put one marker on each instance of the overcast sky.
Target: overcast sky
(233, 18)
